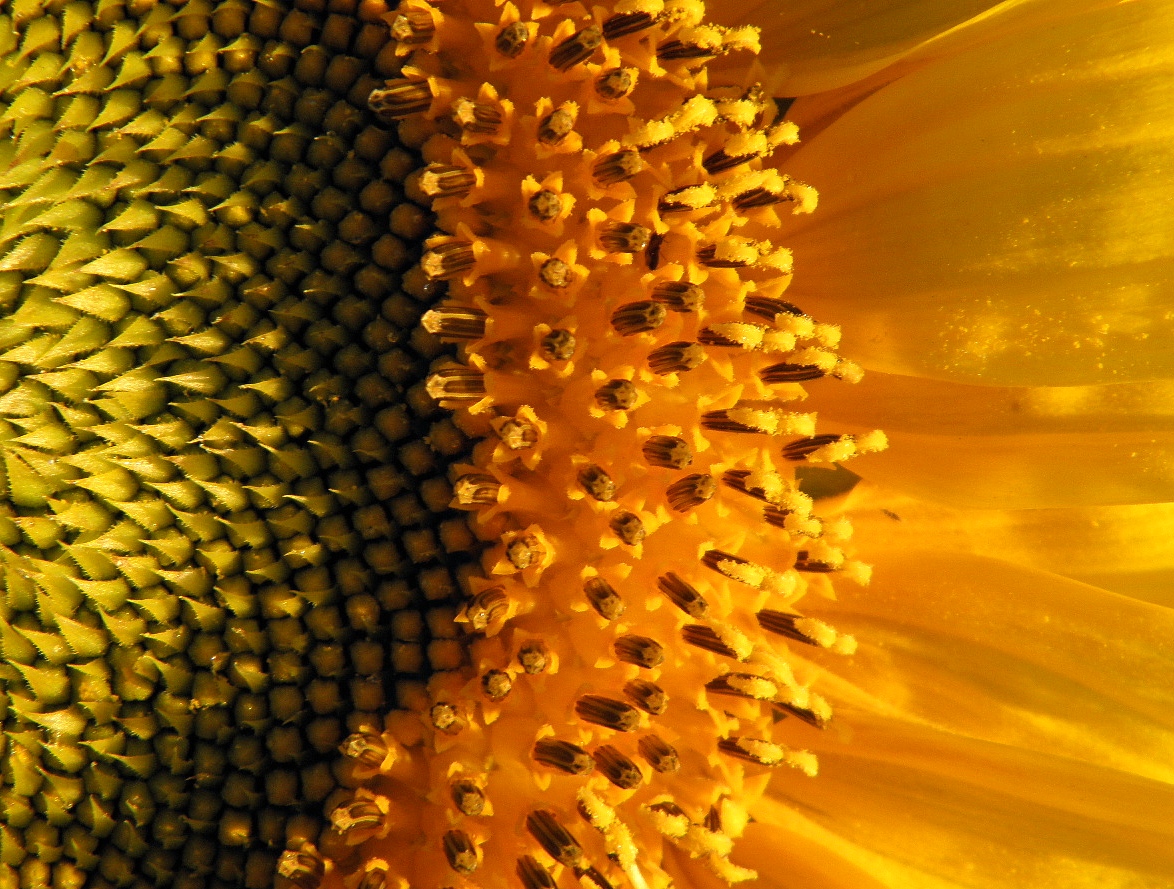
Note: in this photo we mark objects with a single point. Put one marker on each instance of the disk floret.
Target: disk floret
(606, 257)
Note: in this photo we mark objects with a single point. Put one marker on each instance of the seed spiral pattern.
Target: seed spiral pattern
(223, 529)
(604, 259)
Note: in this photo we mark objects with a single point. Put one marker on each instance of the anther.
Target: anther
(652, 251)
(676, 358)
(533, 875)
(445, 718)
(481, 118)
(702, 636)
(638, 317)
(804, 562)
(358, 815)
(608, 712)
(455, 322)
(400, 98)
(446, 181)
(659, 754)
(798, 450)
(476, 489)
(591, 876)
(603, 598)
(558, 345)
(448, 260)
(690, 197)
(555, 839)
(690, 492)
(617, 768)
(562, 755)
(525, 551)
(486, 607)
(460, 851)
(648, 696)
(621, 24)
(623, 237)
(616, 395)
(555, 274)
(668, 452)
(413, 27)
(468, 797)
(790, 373)
(679, 296)
(496, 685)
(628, 527)
(577, 48)
(367, 749)
(597, 483)
(616, 83)
(683, 595)
(557, 125)
(639, 650)
(517, 435)
(303, 867)
(617, 167)
(683, 51)
(743, 685)
(512, 39)
(544, 205)
(456, 382)
(753, 750)
(534, 657)
(375, 876)
(768, 308)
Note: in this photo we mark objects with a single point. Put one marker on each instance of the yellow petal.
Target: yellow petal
(816, 45)
(1002, 212)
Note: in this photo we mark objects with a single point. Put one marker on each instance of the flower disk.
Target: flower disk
(604, 210)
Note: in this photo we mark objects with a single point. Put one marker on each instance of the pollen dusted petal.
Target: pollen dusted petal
(606, 246)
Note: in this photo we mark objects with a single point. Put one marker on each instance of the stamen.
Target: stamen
(692, 197)
(617, 167)
(533, 875)
(608, 712)
(413, 27)
(496, 684)
(676, 358)
(534, 658)
(628, 527)
(616, 395)
(691, 492)
(455, 322)
(303, 867)
(705, 637)
(743, 685)
(559, 344)
(597, 483)
(517, 435)
(468, 797)
(557, 125)
(683, 595)
(659, 754)
(603, 598)
(562, 755)
(680, 296)
(639, 650)
(481, 118)
(524, 551)
(616, 83)
(648, 696)
(638, 317)
(445, 261)
(790, 373)
(623, 237)
(767, 753)
(555, 839)
(577, 48)
(512, 39)
(456, 382)
(460, 851)
(400, 98)
(798, 450)
(446, 181)
(367, 749)
(617, 768)
(555, 274)
(668, 452)
(486, 608)
(445, 718)
(772, 421)
(624, 23)
(765, 307)
(545, 205)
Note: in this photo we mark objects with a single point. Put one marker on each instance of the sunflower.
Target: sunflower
(226, 545)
